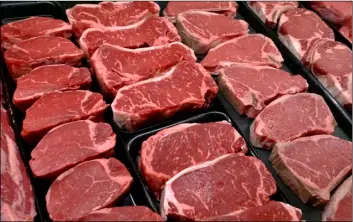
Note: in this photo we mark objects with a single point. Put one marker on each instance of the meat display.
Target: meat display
(46, 79)
(26, 55)
(250, 88)
(255, 49)
(336, 12)
(204, 30)
(99, 183)
(173, 149)
(290, 117)
(152, 31)
(107, 14)
(200, 192)
(346, 30)
(57, 108)
(187, 87)
(74, 143)
(116, 66)
(17, 31)
(292, 33)
(313, 166)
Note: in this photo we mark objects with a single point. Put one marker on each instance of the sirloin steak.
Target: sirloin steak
(200, 192)
(336, 12)
(187, 87)
(89, 186)
(300, 164)
(49, 78)
(116, 66)
(74, 143)
(23, 29)
(250, 88)
(24, 56)
(290, 117)
(54, 109)
(204, 30)
(176, 148)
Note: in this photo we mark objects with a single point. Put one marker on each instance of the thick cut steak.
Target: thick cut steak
(128, 213)
(24, 56)
(18, 31)
(250, 88)
(203, 191)
(187, 87)
(49, 78)
(290, 117)
(17, 202)
(152, 31)
(339, 208)
(174, 149)
(297, 28)
(74, 143)
(204, 30)
(270, 12)
(313, 166)
(108, 14)
(336, 12)
(54, 109)
(255, 49)
(116, 66)
(89, 186)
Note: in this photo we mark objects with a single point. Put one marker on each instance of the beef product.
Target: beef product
(224, 8)
(290, 117)
(187, 87)
(128, 213)
(297, 28)
(339, 208)
(174, 149)
(336, 12)
(109, 14)
(270, 12)
(89, 186)
(204, 30)
(116, 66)
(17, 202)
(203, 191)
(24, 56)
(346, 30)
(49, 78)
(54, 109)
(250, 88)
(152, 31)
(18, 31)
(74, 142)
(255, 49)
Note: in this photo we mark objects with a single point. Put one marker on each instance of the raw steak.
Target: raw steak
(49, 78)
(18, 31)
(203, 191)
(339, 208)
(204, 30)
(173, 149)
(270, 12)
(54, 109)
(152, 31)
(89, 186)
(250, 88)
(187, 87)
(336, 12)
(224, 8)
(297, 28)
(255, 49)
(116, 66)
(24, 56)
(290, 117)
(17, 203)
(128, 213)
(109, 14)
(75, 143)
(346, 30)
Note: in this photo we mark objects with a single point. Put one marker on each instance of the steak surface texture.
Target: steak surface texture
(337, 12)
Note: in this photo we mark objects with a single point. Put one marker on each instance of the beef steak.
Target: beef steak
(89, 186)
(346, 30)
(336, 12)
(185, 88)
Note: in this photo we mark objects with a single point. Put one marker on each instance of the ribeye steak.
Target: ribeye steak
(337, 12)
